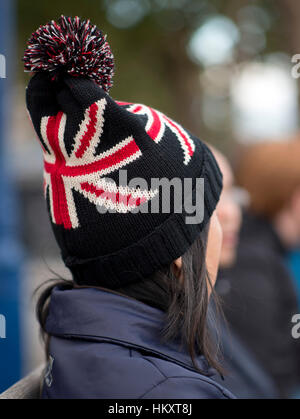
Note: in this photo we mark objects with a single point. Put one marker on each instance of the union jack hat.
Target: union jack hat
(88, 140)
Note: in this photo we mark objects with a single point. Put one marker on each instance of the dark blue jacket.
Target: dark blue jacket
(104, 345)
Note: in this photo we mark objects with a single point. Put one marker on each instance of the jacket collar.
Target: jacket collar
(100, 315)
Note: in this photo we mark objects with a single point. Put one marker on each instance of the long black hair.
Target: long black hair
(186, 302)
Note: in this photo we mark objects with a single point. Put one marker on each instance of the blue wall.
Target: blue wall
(294, 265)
(10, 254)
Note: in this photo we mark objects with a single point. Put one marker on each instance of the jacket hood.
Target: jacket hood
(100, 315)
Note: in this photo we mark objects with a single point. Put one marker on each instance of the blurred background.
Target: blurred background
(226, 70)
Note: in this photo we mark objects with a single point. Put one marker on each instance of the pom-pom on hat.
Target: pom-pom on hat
(72, 46)
(89, 140)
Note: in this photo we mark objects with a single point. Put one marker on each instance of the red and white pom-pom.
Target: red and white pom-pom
(72, 46)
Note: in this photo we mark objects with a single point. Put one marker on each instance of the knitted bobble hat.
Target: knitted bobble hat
(111, 231)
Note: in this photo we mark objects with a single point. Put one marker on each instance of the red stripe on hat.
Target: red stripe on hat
(181, 133)
(52, 135)
(59, 201)
(90, 131)
(115, 158)
(60, 206)
(120, 103)
(115, 197)
(155, 127)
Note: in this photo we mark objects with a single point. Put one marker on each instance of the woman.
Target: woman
(133, 322)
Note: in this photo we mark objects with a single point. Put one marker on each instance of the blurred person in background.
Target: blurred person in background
(229, 211)
(244, 376)
(258, 291)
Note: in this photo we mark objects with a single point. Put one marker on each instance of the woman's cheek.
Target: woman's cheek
(214, 245)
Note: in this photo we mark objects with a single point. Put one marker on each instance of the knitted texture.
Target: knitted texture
(87, 137)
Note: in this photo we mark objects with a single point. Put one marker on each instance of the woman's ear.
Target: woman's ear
(178, 263)
(177, 266)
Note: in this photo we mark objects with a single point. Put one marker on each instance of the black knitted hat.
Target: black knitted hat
(105, 236)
